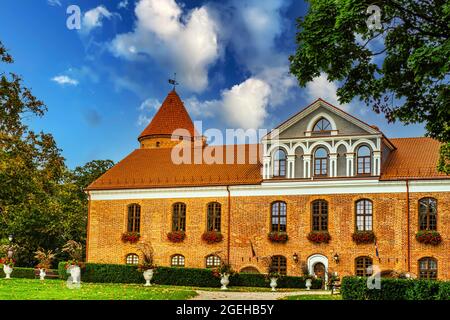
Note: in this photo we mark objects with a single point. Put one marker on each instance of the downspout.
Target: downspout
(88, 224)
(229, 225)
(408, 240)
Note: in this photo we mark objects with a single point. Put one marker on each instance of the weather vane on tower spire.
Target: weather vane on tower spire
(174, 81)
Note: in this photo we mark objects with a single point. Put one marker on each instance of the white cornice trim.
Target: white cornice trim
(284, 188)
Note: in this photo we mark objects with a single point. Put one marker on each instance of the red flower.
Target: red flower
(361, 237)
(319, 237)
(131, 237)
(212, 237)
(275, 236)
(429, 237)
(176, 236)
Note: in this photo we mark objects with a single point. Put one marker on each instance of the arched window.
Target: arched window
(322, 125)
(134, 218)
(320, 215)
(279, 264)
(364, 215)
(278, 216)
(214, 213)
(279, 163)
(177, 260)
(213, 261)
(364, 160)
(362, 265)
(320, 162)
(428, 268)
(132, 258)
(179, 217)
(427, 214)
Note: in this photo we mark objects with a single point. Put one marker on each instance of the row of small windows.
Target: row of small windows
(321, 162)
(177, 260)
(319, 208)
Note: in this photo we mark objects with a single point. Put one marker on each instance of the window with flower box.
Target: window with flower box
(427, 214)
(179, 217)
(319, 215)
(214, 211)
(134, 218)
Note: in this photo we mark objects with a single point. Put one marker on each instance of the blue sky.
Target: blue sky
(104, 82)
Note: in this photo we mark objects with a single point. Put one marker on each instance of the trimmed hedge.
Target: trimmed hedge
(191, 277)
(27, 273)
(355, 288)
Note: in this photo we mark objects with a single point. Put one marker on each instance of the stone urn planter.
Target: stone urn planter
(148, 275)
(75, 273)
(273, 283)
(224, 281)
(7, 270)
(308, 284)
(42, 274)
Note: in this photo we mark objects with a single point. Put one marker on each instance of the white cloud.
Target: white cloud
(185, 44)
(54, 3)
(122, 4)
(93, 18)
(63, 80)
(147, 110)
(320, 87)
(242, 106)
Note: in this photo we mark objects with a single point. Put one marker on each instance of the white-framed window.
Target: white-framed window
(132, 258)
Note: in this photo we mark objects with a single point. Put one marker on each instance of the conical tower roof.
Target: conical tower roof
(172, 115)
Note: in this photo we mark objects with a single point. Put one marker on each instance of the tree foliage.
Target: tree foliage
(42, 202)
(401, 70)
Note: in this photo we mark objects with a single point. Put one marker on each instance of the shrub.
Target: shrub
(211, 237)
(363, 237)
(27, 273)
(319, 237)
(276, 236)
(355, 288)
(176, 236)
(117, 273)
(429, 237)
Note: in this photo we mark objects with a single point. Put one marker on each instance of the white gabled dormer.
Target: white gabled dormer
(323, 141)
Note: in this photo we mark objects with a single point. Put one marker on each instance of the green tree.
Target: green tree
(401, 70)
(42, 202)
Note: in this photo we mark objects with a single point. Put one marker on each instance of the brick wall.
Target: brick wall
(250, 221)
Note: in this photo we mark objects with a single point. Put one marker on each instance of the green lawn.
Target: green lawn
(315, 297)
(29, 289)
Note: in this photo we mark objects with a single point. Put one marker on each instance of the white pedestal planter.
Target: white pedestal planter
(308, 284)
(7, 270)
(42, 274)
(75, 274)
(273, 283)
(224, 281)
(148, 275)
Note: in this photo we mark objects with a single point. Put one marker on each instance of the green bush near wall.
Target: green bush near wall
(355, 288)
(116, 273)
(27, 273)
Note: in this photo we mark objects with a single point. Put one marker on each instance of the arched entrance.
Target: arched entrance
(318, 266)
(250, 269)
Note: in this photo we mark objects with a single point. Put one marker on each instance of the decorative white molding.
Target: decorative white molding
(285, 188)
(318, 258)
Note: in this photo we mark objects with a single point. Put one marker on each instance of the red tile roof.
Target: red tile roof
(171, 115)
(414, 158)
(154, 168)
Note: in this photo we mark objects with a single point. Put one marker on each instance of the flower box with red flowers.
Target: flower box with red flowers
(131, 237)
(363, 237)
(10, 262)
(429, 237)
(319, 237)
(280, 237)
(176, 236)
(211, 237)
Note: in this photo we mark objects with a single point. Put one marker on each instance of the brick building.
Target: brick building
(323, 192)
